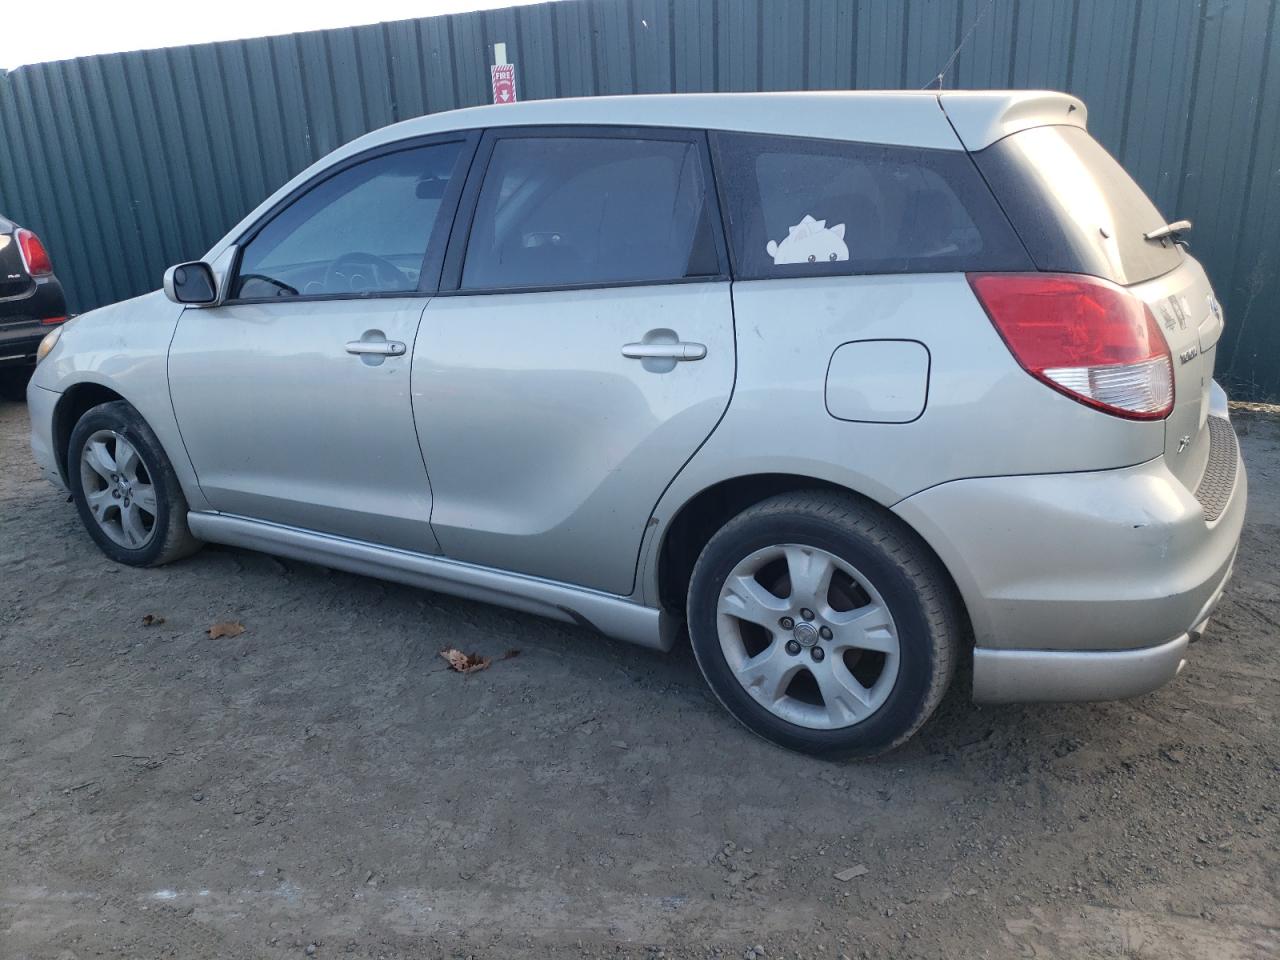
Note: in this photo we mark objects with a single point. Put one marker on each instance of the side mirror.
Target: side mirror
(191, 283)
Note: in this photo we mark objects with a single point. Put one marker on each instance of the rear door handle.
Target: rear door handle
(382, 348)
(681, 350)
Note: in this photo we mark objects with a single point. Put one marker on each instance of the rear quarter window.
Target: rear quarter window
(799, 207)
(1075, 207)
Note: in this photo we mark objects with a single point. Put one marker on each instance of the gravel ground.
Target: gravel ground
(323, 785)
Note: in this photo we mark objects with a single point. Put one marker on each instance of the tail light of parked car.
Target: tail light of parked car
(1084, 337)
(34, 255)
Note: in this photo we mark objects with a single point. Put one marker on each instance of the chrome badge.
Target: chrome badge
(1179, 312)
(1174, 311)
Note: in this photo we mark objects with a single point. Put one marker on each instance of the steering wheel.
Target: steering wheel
(281, 288)
(342, 275)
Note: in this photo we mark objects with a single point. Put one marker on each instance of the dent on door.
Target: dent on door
(552, 422)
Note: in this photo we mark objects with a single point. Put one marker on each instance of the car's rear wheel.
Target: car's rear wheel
(823, 624)
(125, 489)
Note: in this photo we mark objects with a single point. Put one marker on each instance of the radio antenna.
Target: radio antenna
(936, 82)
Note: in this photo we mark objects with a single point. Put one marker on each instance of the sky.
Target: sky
(33, 31)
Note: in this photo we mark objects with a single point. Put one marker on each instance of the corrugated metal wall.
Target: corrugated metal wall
(129, 162)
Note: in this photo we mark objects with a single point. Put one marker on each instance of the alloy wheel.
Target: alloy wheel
(118, 489)
(808, 636)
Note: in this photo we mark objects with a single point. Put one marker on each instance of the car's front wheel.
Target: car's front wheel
(823, 624)
(125, 489)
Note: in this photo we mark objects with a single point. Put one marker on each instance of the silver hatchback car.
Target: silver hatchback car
(854, 385)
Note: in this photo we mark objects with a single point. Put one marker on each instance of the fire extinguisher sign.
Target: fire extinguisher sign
(504, 82)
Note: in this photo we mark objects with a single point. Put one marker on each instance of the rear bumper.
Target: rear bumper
(21, 321)
(18, 347)
(1083, 586)
(1016, 676)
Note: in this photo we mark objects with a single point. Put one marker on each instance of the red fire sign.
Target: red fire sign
(504, 82)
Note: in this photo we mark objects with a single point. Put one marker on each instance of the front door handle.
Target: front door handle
(680, 350)
(381, 348)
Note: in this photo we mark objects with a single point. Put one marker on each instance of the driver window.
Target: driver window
(364, 230)
(565, 211)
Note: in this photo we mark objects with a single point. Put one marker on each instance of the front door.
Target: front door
(293, 396)
(586, 351)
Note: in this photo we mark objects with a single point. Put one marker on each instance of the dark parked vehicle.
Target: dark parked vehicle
(31, 301)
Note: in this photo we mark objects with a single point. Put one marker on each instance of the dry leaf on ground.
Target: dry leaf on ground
(229, 629)
(464, 662)
(151, 620)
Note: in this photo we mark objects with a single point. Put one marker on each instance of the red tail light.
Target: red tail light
(1085, 337)
(34, 255)
(50, 321)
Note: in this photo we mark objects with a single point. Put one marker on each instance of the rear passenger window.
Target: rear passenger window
(575, 211)
(801, 207)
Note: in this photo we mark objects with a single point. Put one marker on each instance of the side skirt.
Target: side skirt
(611, 615)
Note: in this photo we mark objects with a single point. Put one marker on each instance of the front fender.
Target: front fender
(124, 348)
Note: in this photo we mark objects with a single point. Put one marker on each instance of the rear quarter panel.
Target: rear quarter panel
(984, 415)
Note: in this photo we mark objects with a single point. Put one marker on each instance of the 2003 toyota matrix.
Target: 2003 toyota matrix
(852, 384)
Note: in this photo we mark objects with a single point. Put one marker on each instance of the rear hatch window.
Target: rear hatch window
(798, 207)
(1075, 207)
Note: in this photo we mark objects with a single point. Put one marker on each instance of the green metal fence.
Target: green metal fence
(126, 163)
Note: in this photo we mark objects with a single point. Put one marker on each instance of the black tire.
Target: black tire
(13, 383)
(911, 582)
(169, 536)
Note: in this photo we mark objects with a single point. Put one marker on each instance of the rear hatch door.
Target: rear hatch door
(1078, 211)
(1183, 303)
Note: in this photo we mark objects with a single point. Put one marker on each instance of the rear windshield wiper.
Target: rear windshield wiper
(1168, 230)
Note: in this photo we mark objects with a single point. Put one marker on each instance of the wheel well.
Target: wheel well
(699, 519)
(75, 403)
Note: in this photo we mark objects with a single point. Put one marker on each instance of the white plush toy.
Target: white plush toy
(810, 241)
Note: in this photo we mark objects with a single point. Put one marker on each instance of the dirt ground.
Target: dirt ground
(323, 785)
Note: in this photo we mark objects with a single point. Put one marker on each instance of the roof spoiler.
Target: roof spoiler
(981, 118)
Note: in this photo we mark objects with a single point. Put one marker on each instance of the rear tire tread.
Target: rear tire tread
(929, 581)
